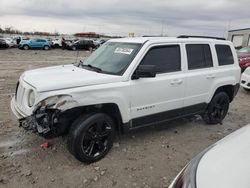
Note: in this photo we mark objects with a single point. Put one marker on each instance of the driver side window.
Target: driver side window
(165, 58)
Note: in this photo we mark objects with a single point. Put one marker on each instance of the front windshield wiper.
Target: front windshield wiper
(91, 67)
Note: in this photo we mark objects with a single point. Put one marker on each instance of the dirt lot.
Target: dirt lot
(149, 157)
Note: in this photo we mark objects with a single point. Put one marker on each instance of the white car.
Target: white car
(10, 42)
(245, 79)
(127, 84)
(57, 43)
(226, 164)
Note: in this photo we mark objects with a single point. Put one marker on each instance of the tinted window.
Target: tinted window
(224, 54)
(199, 56)
(166, 58)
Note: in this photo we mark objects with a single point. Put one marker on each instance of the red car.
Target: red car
(244, 57)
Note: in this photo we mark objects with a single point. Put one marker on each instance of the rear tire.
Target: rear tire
(217, 109)
(46, 47)
(91, 137)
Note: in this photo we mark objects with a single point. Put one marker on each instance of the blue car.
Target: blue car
(34, 43)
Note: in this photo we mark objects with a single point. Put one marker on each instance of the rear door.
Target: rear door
(200, 76)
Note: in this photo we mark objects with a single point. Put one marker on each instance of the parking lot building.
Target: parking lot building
(239, 37)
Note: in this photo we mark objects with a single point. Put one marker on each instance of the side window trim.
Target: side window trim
(212, 65)
(218, 58)
(162, 46)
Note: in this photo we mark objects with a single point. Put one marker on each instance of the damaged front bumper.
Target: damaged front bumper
(40, 121)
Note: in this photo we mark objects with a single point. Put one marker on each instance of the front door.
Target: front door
(159, 98)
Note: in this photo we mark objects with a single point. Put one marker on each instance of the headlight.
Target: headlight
(31, 99)
(187, 177)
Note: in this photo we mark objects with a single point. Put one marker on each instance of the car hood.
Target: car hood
(65, 76)
(227, 164)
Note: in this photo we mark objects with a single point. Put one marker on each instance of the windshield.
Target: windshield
(245, 50)
(113, 57)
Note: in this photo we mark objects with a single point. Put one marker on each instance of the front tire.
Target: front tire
(246, 89)
(217, 109)
(91, 137)
(26, 47)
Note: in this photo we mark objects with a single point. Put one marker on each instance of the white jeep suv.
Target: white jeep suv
(127, 84)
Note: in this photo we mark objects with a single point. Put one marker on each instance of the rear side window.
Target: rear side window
(165, 58)
(224, 54)
(199, 56)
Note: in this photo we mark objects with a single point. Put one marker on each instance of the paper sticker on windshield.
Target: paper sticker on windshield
(127, 51)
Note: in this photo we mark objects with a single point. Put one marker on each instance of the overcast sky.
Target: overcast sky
(143, 17)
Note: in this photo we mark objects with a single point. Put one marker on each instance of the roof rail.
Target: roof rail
(207, 37)
(153, 36)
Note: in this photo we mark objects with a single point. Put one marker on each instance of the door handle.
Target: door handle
(210, 76)
(176, 82)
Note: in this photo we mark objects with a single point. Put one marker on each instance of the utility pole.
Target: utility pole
(162, 27)
(227, 28)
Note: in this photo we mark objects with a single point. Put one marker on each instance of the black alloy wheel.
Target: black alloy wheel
(217, 109)
(96, 139)
(91, 137)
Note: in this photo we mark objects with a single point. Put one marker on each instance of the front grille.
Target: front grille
(20, 94)
(16, 89)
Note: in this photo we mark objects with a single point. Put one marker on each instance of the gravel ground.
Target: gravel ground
(149, 157)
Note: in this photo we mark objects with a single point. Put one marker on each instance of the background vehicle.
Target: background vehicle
(3, 43)
(82, 45)
(127, 84)
(224, 165)
(10, 42)
(34, 43)
(99, 42)
(244, 57)
(57, 43)
(245, 79)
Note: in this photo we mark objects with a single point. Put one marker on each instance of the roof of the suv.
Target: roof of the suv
(166, 39)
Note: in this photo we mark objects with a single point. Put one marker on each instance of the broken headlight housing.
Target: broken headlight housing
(31, 98)
(187, 177)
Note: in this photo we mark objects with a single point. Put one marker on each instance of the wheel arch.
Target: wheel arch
(46, 45)
(229, 89)
(26, 45)
(67, 117)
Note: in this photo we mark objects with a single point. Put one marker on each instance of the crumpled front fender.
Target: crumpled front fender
(59, 102)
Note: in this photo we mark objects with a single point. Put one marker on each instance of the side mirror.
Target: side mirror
(144, 71)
